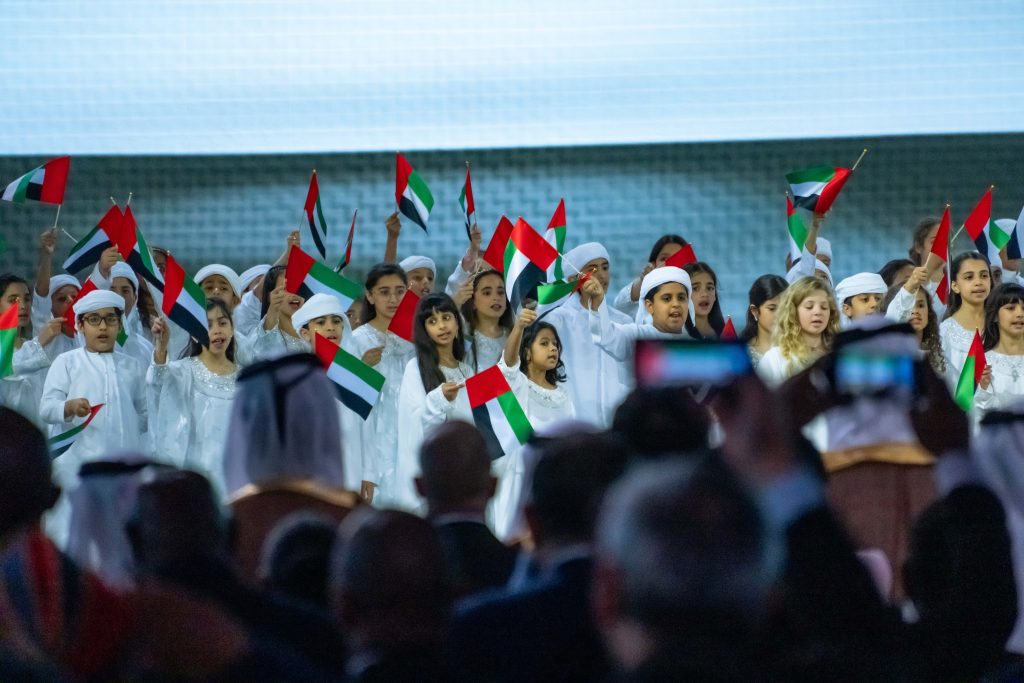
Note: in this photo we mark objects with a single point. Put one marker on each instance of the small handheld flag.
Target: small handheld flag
(797, 230)
(682, 258)
(412, 194)
(987, 236)
(939, 253)
(43, 184)
(729, 331)
(348, 244)
(494, 255)
(401, 323)
(62, 442)
(69, 314)
(527, 259)
(816, 188)
(86, 253)
(555, 235)
(496, 412)
(315, 216)
(136, 252)
(467, 204)
(556, 291)
(184, 302)
(970, 376)
(942, 291)
(1014, 250)
(306, 276)
(8, 338)
(358, 385)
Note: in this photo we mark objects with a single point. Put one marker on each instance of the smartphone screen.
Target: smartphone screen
(858, 373)
(661, 362)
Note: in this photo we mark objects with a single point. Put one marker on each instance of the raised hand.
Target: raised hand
(48, 241)
(50, 331)
(450, 390)
(393, 224)
(526, 318)
(76, 407)
(372, 356)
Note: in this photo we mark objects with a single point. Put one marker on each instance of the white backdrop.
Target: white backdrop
(284, 76)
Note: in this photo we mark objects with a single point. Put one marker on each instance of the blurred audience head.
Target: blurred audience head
(681, 556)
(388, 581)
(455, 470)
(26, 487)
(296, 557)
(655, 421)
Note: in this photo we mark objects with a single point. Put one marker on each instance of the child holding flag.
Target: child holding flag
(628, 299)
(191, 398)
(1002, 382)
(970, 284)
(80, 380)
(432, 387)
(30, 360)
(922, 318)
(860, 295)
(276, 336)
(488, 319)
(388, 354)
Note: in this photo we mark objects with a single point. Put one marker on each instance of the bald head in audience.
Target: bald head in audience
(26, 485)
(455, 470)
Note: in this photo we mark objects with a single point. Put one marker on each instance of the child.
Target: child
(763, 302)
(124, 283)
(532, 364)
(665, 292)
(488, 320)
(220, 282)
(388, 354)
(628, 299)
(708, 321)
(596, 399)
(247, 313)
(860, 295)
(970, 282)
(420, 273)
(432, 387)
(91, 376)
(276, 336)
(1002, 383)
(923, 321)
(191, 399)
(806, 324)
(23, 389)
(322, 315)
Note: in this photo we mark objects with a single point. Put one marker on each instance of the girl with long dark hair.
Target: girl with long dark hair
(763, 302)
(708, 321)
(970, 283)
(488, 320)
(23, 388)
(1002, 383)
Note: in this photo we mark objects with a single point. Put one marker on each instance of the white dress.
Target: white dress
(542, 407)
(618, 339)
(246, 316)
(268, 344)
(380, 429)
(189, 413)
(624, 302)
(603, 381)
(775, 368)
(418, 413)
(1007, 385)
(956, 344)
(487, 350)
(23, 389)
(115, 380)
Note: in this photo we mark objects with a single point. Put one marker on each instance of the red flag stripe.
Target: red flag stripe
(495, 253)
(532, 245)
(69, 315)
(402, 170)
(558, 219)
(980, 216)
(682, 257)
(485, 386)
(940, 247)
(174, 282)
(401, 324)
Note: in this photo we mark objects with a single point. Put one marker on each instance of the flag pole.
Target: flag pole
(57, 217)
(129, 200)
(857, 163)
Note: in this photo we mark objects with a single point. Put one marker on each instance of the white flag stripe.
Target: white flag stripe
(807, 189)
(502, 429)
(353, 383)
(421, 208)
(320, 288)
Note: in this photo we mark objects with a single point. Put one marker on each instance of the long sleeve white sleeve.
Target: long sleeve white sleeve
(615, 339)
(901, 306)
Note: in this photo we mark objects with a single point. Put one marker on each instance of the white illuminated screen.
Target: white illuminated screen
(220, 77)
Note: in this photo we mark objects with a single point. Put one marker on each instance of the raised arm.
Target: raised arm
(44, 266)
(515, 338)
(394, 226)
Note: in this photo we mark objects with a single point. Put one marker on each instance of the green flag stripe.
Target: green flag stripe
(555, 291)
(421, 190)
(7, 340)
(817, 174)
(360, 369)
(516, 417)
(965, 388)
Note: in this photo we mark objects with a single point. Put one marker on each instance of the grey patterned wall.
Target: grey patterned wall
(726, 198)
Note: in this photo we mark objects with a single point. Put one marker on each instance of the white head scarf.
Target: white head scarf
(823, 247)
(122, 269)
(861, 283)
(283, 425)
(582, 255)
(63, 280)
(416, 261)
(794, 273)
(250, 275)
(658, 277)
(97, 299)
(218, 269)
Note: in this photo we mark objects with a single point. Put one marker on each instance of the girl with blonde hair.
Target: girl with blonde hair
(806, 324)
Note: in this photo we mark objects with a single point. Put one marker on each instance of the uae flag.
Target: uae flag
(306, 276)
(412, 194)
(135, 251)
(44, 184)
(69, 315)
(348, 244)
(62, 442)
(729, 331)
(940, 246)
(315, 216)
(496, 412)
(942, 291)
(970, 376)
(8, 337)
(797, 230)
(682, 258)
(86, 253)
(816, 188)
(494, 255)
(527, 259)
(554, 292)
(555, 235)
(405, 315)
(467, 204)
(1015, 248)
(357, 384)
(987, 236)
(184, 302)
